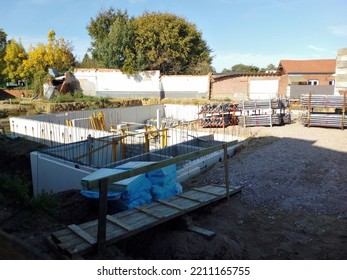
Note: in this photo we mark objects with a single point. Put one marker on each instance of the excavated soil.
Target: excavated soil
(292, 204)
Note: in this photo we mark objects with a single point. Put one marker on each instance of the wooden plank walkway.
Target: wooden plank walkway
(77, 240)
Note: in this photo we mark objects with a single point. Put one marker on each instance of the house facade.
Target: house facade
(305, 76)
(245, 86)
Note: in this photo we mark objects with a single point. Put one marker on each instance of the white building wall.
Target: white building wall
(182, 112)
(263, 89)
(341, 71)
(185, 86)
(51, 129)
(113, 83)
(55, 175)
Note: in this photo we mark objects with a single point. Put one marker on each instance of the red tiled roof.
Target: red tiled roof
(309, 66)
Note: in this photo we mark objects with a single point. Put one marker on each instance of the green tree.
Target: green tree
(14, 57)
(99, 29)
(241, 68)
(270, 67)
(87, 62)
(57, 53)
(153, 41)
(113, 50)
(3, 40)
(170, 44)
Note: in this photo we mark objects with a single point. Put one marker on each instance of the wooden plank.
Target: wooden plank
(138, 220)
(189, 198)
(119, 223)
(90, 182)
(149, 212)
(205, 232)
(205, 191)
(167, 203)
(81, 233)
(135, 220)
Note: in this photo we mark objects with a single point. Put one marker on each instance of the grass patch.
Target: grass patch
(14, 189)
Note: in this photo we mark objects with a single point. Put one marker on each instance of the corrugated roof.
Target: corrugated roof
(309, 66)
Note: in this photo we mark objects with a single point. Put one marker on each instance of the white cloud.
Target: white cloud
(316, 48)
(339, 31)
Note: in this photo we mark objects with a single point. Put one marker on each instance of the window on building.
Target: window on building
(313, 82)
(331, 82)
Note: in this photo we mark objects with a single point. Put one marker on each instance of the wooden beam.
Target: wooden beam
(119, 223)
(204, 232)
(226, 169)
(149, 212)
(205, 191)
(189, 198)
(92, 183)
(102, 216)
(81, 233)
(167, 203)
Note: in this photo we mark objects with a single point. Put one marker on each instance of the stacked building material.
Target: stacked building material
(218, 115)
(134, 191)
(265, 104)
(164, 184)
(261, 120)
(324, 120)
(324, 101)
(163, 180)
(219, 121)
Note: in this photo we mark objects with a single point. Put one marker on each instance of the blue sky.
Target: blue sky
(251, 32)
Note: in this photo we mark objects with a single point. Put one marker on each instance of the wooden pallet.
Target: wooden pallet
(77, 240)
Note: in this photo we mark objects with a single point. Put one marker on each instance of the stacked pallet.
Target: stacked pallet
(324, 120)
(261, 120)
(311, 102)
(323, 101)
(218, 115)
(264, 112)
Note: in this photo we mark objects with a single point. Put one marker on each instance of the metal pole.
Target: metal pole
(101, 238)
(226, 169)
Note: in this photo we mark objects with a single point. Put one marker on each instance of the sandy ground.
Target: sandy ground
(292, 205)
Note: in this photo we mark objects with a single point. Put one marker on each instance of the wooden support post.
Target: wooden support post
(226, 169)
(309, 109)
(163, 137)
(146, 148)
(101, 239)
(90, 149)
(114, 150)
(343, 110)
(123, 143)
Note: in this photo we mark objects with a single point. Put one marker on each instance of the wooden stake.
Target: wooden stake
(102, 216)
(343, 110)
(226, 169)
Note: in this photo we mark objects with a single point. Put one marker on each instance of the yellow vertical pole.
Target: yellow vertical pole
(123, 143)
(146, 147)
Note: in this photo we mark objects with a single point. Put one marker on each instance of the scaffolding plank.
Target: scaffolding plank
(149, 212)
(189, 198)
(81, 233)
(119, 223)
(130, 222)
(206, 191)
(167, 203)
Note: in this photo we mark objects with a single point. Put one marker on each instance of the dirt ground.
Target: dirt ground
(292, 204)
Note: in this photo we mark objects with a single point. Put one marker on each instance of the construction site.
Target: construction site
(248, 180)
